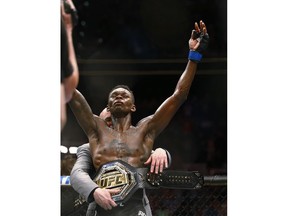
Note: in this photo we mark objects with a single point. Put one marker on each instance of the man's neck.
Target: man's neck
(121, 124)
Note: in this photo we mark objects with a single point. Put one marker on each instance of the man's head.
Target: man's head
(123, 87)
(106, 116)
(121, 101)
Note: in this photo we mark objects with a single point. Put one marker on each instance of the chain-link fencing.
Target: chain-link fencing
(211, 200)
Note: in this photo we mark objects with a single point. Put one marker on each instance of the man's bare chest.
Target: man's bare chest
(121, 146)
(128, 146)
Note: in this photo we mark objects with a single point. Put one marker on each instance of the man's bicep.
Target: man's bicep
(163, 115)
(82, 111)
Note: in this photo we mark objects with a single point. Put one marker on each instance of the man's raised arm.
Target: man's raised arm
(82, 112)
(163, 115)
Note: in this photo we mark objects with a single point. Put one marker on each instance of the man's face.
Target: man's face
(120, 102)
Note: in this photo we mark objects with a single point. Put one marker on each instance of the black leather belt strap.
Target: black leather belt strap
(119, 174)
(176, 179)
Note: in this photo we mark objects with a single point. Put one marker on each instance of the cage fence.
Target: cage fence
(210, 200)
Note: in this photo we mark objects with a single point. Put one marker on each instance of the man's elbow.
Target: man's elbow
(180, 96)
(73, 175)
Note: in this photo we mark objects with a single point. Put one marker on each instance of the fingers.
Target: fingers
(109, 205)
(103, 197)
(158, 160)
(204, 31)
(113, 191)
(202, 27)
(159, 166)
(111, 201)
(152, 166)
(201, 24)
(197, 29)
(162, 164)
(166, 163)
(194, 34)
(148, 160)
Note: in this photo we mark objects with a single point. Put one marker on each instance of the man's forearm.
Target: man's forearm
(72, 81)
(185, 81)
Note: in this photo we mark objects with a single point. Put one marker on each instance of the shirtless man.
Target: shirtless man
(133, 144)
(83, 171)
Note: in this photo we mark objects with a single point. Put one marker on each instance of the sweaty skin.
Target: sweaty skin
(109, 143)
(158, 161)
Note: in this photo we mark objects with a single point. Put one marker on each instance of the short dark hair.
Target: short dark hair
(124, 87)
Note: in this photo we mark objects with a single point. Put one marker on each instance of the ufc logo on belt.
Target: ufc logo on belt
(112, 179)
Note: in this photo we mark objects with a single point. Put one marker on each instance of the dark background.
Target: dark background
(147, 28)
(144, 44)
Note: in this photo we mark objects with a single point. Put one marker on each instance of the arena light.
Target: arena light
(63, 149)
(73, 150)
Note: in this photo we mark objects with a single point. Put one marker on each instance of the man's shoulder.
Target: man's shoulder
(84, 146)
(144, 120)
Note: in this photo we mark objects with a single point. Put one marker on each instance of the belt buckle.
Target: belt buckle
(117, 175)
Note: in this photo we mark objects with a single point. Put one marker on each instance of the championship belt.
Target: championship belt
(120, 175)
